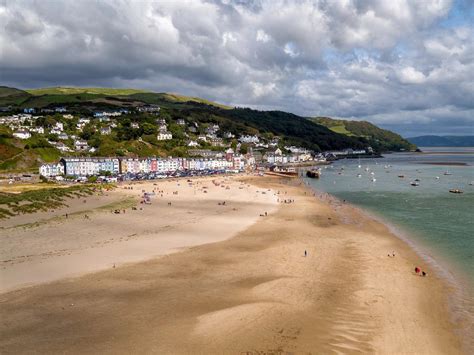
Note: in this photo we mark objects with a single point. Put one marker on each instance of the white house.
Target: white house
(55, 131)
(164, 135)
(81, 145)
(63, 136)
(39, 130)
(105, 130)
(193, 144)
(22, 134)
(50, 170)
(249, 139)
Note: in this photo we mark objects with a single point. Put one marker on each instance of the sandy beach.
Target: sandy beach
(219, 278)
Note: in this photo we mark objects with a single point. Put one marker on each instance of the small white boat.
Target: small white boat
(447, 173)
(359, 175)
(372, 173)
(471, 183)
(414, 183)
(437, 178)
(374, 179)
(367, 169)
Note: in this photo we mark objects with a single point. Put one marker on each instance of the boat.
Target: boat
(414, 183)
(447, 173)
(372, 173)
(437, 178)
(401, 176)
(471, 183)
(359, 166)
(374, 179)
(417, 179)
(359, 175)
(313, 174)
(456, 191)
(367, 169)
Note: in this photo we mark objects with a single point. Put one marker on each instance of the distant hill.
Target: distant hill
(100, 97)
(12, 96)
(63, 90)
(380, 139)
(443, 141)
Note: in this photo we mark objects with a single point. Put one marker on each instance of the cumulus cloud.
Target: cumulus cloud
(391, 62)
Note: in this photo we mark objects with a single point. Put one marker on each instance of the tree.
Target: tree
(148, 128)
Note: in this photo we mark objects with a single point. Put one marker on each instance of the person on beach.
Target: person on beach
(417, 270)
(305, 253)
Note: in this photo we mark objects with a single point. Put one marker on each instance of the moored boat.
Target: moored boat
(313, 174)
(456, 191)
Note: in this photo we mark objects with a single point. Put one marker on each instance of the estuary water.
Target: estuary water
(440, 222)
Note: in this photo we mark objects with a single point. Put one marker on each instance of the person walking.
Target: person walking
(305, 253)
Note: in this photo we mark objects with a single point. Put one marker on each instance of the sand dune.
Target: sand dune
(253, 293)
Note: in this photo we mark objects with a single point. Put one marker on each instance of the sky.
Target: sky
(404, 65)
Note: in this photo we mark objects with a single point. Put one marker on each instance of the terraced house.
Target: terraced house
(89, 166)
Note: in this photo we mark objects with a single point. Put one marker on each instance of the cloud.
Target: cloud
(395, 62)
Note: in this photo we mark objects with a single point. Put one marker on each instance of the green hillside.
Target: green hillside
(24, 155)
(100, 97)
(378, 138)
(135, 133)
(12, 96)
(60, 90)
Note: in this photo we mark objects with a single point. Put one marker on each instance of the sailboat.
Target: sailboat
(447, 173)
(359, 166)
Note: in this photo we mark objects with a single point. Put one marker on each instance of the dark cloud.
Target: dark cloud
(402, 64)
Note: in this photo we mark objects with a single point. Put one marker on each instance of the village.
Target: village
(208, 149)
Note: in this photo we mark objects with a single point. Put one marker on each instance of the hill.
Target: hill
(378, 138)
(63, 90)
(45, 97)
(24, 155)
(443, 141)
(11, 96)
(134, 132)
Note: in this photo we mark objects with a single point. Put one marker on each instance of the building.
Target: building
(81, 146)
(164, 135)
(39, 130)
(22, 134)
(63, 136)
(249, 139)
(193, 144)
(89, 166)
(51, 170)
(149, 108)
(180, 122)
(105, 130)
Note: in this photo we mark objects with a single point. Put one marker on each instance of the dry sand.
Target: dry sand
(253, 293)
(56, 247)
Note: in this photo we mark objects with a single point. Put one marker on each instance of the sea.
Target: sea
(439, 224)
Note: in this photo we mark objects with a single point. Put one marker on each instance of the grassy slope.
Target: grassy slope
(380, 139)
(12, 96)
(80, 90)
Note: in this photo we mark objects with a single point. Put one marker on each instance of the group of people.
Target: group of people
(420, 272)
